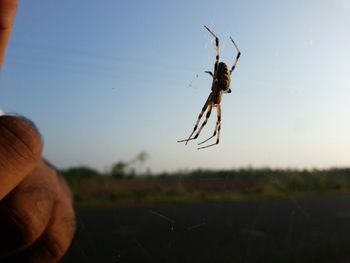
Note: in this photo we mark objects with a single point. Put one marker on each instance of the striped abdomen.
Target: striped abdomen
(223, 76)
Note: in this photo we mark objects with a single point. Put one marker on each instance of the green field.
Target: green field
(92, 188)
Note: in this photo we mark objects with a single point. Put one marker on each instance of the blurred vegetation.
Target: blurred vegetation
(124, 185)
(122, 169)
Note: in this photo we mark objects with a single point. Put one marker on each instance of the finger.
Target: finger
(26, 211)
(57, 237)
(7, 15)
(20, 151)
(52, 246)
(62, 182)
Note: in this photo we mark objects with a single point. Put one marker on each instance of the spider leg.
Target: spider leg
(217, 130)
(217, 51)
(210, 73)
(210, 106)
(198, 119)
(237, 57)
(216, 127)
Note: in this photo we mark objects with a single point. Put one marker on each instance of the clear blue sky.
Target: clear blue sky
(105, 80)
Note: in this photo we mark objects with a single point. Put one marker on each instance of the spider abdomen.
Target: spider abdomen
(223, 76)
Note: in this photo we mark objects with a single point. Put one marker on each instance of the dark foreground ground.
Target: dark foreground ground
(289, 230)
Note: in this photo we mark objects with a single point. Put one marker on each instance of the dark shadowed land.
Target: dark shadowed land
(284, 230)
(202, 216)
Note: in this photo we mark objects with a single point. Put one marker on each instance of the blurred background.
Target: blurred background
(112, 85)
(105, 81)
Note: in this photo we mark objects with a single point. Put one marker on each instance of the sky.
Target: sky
(105, 80)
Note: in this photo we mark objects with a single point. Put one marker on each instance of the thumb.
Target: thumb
(20, 151)
(7, 15)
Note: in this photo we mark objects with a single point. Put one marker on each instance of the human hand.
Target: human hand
(8, 10)
(37, 221)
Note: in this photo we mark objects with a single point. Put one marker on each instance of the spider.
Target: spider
(220, 86)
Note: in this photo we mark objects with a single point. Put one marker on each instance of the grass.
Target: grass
(207, 186)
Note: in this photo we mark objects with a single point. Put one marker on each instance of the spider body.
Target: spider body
(223, 78)
(220, 85)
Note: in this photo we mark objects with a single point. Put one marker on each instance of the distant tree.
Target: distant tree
(122, 169)
(82, 172)
(141, 157)
(119, 169)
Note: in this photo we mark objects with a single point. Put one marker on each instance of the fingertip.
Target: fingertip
(22, 133)
(20, 151)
